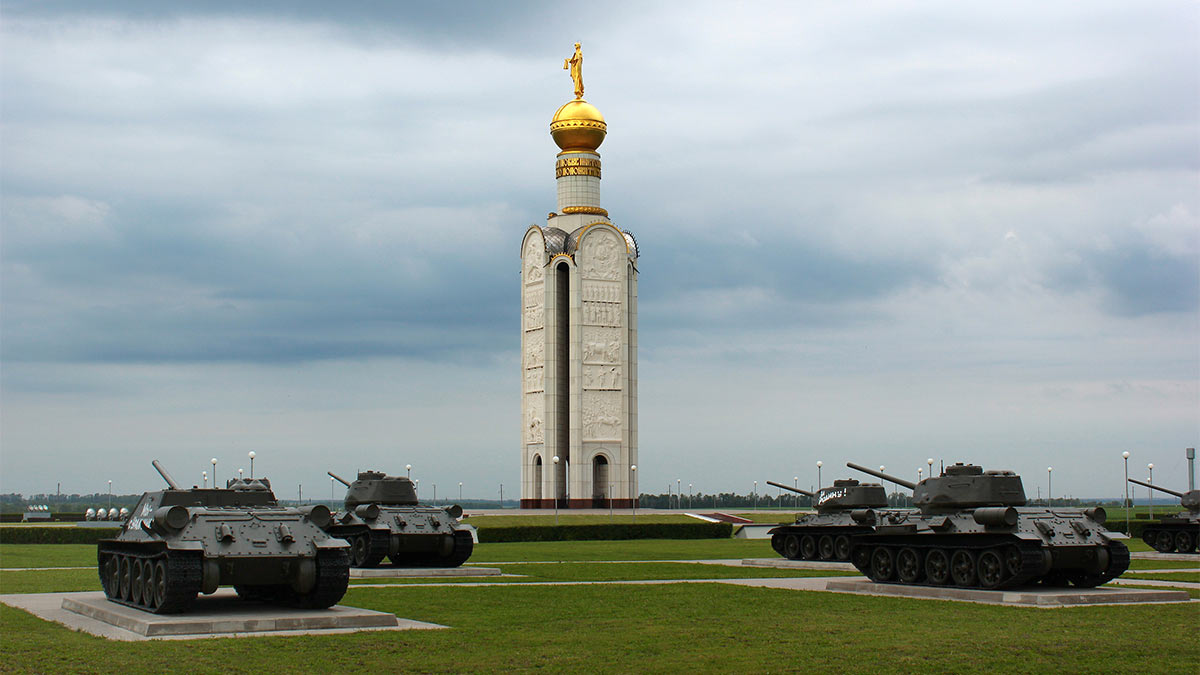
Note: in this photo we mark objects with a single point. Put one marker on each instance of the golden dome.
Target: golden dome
(578, 127)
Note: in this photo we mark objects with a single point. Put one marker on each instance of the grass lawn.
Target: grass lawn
(483, 522)
(651, 628)
(1193, 577)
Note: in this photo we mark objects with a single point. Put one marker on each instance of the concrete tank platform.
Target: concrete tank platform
(422, 572)
(219, 615)
(1155, 555)
(1028, 597)
(785, 564)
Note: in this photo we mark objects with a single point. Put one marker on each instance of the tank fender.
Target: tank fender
(331, 543)
(186, 545)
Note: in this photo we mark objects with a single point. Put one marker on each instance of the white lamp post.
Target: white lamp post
(755, 495)
(1149, 492)
(633, 489)
(885, 496)
(690, 493)
(460, 493)
(205, 475)
(1125, 456)
(555, 460)
(239, 474)
(435, 494)
(214, 463)
(678, 494)
(331, 497)
(408, 468)
(110, 494)
(819, 483)
(930, 463)
(796, 495)
(251, 465)
(1049, 490)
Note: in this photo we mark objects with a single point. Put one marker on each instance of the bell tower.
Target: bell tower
(578, 331)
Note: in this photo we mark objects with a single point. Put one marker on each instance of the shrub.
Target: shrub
(605, 532)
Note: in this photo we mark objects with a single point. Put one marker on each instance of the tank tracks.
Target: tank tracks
(816, 543)
(463, 547)
(333, 577)
(985, 563)
(153, 580)
(1173, 537)
(1118, 562)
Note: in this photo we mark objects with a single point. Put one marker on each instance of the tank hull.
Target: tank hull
(1057, 547)
(1174, 534)
(407, 536)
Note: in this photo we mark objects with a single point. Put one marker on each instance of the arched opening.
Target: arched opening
(537, 477)
(562, 364)
(600, 480)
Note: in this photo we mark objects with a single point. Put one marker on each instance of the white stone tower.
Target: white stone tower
(578, 332)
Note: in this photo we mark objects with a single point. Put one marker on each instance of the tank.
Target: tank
(181, 542)
(844, 509)
(973, 530)
(1179, 532)
(382, 518)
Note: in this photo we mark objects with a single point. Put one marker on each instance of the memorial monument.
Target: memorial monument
(578, 331)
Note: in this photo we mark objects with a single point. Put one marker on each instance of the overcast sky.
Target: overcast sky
(875, 232)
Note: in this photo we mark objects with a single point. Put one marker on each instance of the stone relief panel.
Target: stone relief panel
(601, 345)
(602, 254)
(535, 380)
(535, 317)
(602, 377)
(535, 349)
(601, 291)
(601, 313)
(534, 417)
(602, 416)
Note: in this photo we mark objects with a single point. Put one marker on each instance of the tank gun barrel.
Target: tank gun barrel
(166, 476)
(1155, 487)
(789, 488)
(879, 474)
(338, 478)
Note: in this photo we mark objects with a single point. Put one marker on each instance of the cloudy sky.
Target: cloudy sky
(875, 232)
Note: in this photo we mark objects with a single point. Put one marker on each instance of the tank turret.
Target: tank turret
(1179, 532)
(376, 487)
(974, 530)
(176, 543)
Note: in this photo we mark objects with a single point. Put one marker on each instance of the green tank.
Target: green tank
(179, 542)
(973, 530)
(844, 509)
(383, 518)
(1179, 532)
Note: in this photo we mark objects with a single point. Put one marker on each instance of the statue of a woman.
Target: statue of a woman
(575, 65)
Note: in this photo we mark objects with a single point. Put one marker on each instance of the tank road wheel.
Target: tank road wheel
(791, 547)
(125, 577)
(962, 568)
(990, 569)
(825, 546)
(1165, 542)
(1184, 542)
(360, 548)
(155, 593)
(112, 577)
(777, 542)
(883, 564)
(1012, 560)
(860, 557)
(908, 565)
(937, 567)
(138, 581)
(808, 547)
(841, 547)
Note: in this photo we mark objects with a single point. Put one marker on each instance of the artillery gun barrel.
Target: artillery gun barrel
(789, 488)
(879, 474)
(166, 476)
(1155, 487)
(338, 478)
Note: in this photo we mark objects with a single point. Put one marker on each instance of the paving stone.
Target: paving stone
(785, 564)
(1034, 596)
(422, 572)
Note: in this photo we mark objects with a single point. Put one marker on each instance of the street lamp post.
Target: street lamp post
(239, 474)
(796, 495)
(690, 493)
(435, 494)
(555, 460)
(331, 497)
(251, 465)
(205, 475)
(819, 483)
(1049, 488)
(755, 495)
(1149, 492)
(1125, 456)
(885, 496)
(408, 468)
(214, 463)
(633, 488)
(678, 494)
(460, 493)
(110, 494)
(930, 463)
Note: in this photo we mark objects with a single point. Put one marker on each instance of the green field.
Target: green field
(706, 627)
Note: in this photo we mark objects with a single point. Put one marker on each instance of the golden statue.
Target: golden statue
(575, 65)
